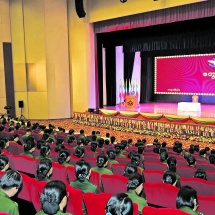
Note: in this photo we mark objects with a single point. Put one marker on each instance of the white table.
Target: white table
(189, 106)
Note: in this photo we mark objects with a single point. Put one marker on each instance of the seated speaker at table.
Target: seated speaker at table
(195, 98)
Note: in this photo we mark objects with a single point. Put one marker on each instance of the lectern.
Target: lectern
(131, 101)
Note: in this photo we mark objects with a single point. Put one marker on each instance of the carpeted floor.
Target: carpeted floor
(67, 124)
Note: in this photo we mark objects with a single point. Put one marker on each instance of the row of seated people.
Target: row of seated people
(83, 171)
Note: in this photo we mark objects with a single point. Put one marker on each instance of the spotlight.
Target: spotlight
(123, 1)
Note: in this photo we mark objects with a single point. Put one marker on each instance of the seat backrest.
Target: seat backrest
(153, 176)
(202, 187)
(15, 148)
(89, 154)
(54, 156)
(95, 178)
(205, 166)
(152, 165)
(91, 161)
(181, 162)
(151, 158)
(25, 191)
(206, 203)
(210, 175)
(148, 210)
(118, 168)
(185, 171)
(114, 183)
(101, 201)
(124, 160)
(59, 172)
(161, 194)
(75, 200)
(70, 170)
(25, 164)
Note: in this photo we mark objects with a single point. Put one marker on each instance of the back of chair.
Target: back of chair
(201, 186)
(185, 171)
(15, 148)
(59, 172)
(95, 179)
(210, 175)
(114, 183)
(54, 156)
(206, 203)
(25, 164)
(152, 165)
(124, 160)
(181, 162)
(100, 199)
(161, 194)
(205, 166)
(71, 173)
(118, 168)
(91, 161)
(74, 202)
(151, 158)
(153, 176)
(148, 210)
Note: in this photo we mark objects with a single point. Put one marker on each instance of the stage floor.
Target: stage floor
(207, 110)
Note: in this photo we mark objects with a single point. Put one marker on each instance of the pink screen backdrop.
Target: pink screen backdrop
(187, 75)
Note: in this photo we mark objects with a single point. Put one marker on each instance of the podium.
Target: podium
(131, 101)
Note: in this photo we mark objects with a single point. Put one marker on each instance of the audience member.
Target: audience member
(111, 153)
(10, 184)
(130, 169)
(44, 152)
(119, 204)
(170, 178)
(4, 163)
(187, 200)
(200, 173)
(53, 199)
(29, 148)
(191, 161)
(64, 157)
(44, 170)
(79, 152)
(134, 190)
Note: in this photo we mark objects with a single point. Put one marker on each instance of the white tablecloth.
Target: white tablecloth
(189, 106)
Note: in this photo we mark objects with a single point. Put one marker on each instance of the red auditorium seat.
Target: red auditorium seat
(153, 176)
(114, 183)
(206, 203)
(205, 166)
(91, 161)
(161, 194)
(181, 162)
(210, 175)
(186, 171)
(74, 203)
(151, 158)
(54, 156)
(15, 148)
(124, 160)
(101, 201)
(95, 179)
(202, 187)
(89, 154)
(118, 168)
(30, 164)
(161, 211)
(152, 165)
(70, 170)
(59, 172)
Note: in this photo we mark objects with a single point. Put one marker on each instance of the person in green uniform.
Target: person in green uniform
(4, 163)
(130, 169)
(118, 149)
(26, 135)
(102, 162)
(4, 144)
(187, 200)
(191, 161)
(53, 199)
(44, 152)
(200, 173)
(29, 148)
(111, 153)
(134, 189)
(163, 157)
(202, 154)
(93, 146)
(171, 166)
(83, 172)
(170, 178)
(64, 157)
(80, 143)
(135, 159)
(79, 152)
(44, 170)
(119, 204)
(10, 184)
(82, 135)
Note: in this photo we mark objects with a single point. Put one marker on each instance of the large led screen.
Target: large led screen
(185, 74)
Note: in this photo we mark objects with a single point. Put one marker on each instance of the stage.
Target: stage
(207, 110)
